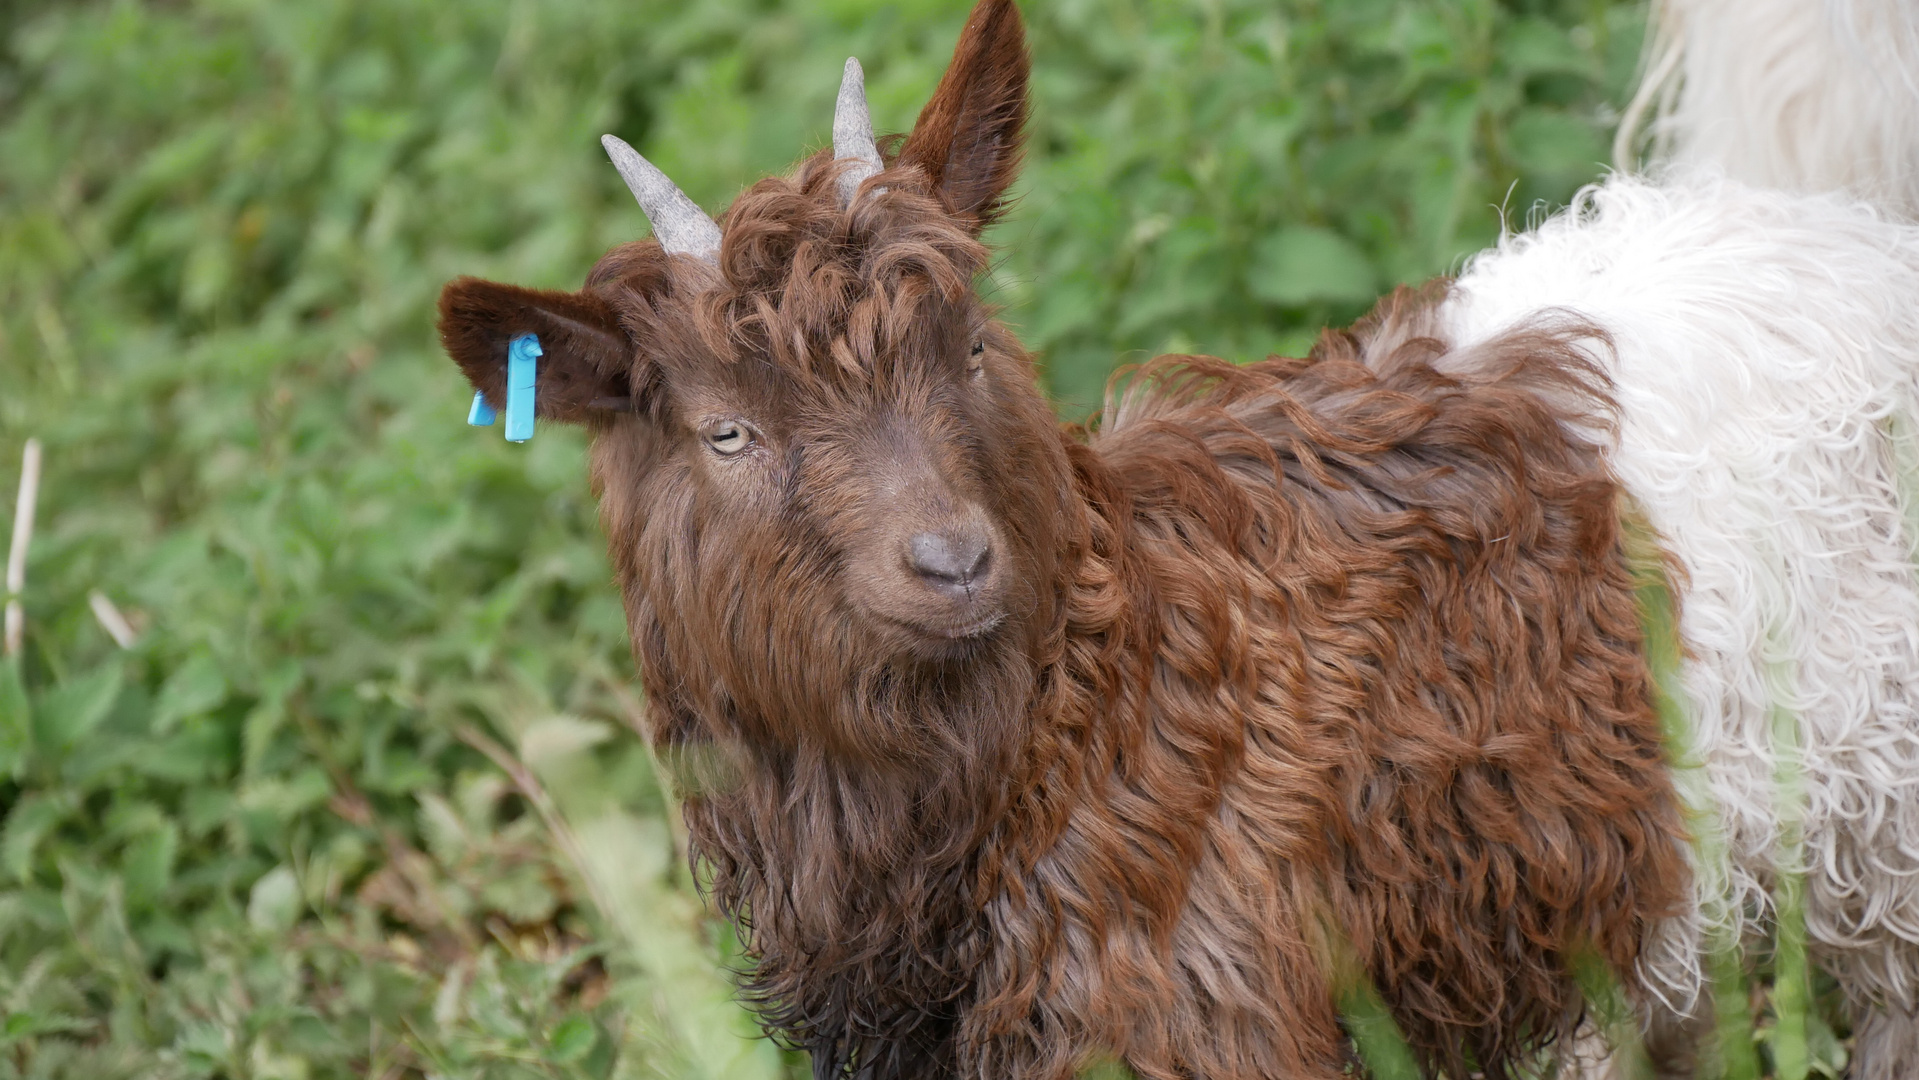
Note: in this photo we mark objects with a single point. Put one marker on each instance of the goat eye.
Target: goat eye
(976, 364)
(728, 437)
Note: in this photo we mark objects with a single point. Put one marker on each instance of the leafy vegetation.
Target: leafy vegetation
(359, 800)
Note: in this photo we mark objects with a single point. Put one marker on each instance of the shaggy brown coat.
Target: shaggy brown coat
(1299, 667)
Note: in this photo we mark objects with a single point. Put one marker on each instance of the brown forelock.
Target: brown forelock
(1355, 655)
(837, 787)
(813, 286)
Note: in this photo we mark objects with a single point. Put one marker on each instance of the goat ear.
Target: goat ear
(969, 136)
(586, 364)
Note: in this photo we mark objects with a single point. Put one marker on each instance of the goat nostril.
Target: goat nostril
(949, 558)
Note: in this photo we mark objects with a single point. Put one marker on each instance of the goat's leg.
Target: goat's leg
(1885, 1043)
(1668, 1047)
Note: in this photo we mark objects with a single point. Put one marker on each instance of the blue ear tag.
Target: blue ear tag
(522, 374)
(481, 414)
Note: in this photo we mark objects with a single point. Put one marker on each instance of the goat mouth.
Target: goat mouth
(962, 631)
(954, 632)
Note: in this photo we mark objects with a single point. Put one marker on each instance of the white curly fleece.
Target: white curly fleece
(1766, 364)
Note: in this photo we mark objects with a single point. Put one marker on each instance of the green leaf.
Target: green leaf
(197, 686)
(1550, 141)
(70, 713)
(31, 819)
(1375, 1035)
(556, 737)
(16, 721)
(573, 1039)
(147, 865)
(1538, 46)
(262, 723)
(284, 798)
(184, 757)
(274, 904)
(1304, 263)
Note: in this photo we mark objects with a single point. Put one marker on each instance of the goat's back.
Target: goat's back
(1400, 569)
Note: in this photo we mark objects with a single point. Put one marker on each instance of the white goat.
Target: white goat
(1761, 292)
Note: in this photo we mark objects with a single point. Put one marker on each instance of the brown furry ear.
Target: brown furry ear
(586, 364)
(969, 136)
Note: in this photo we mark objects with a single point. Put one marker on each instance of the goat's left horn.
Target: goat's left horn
(853, 132)
(679, 224)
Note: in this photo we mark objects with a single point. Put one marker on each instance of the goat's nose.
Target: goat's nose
(950, 560)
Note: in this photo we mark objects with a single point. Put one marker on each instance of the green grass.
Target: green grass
(361, 799)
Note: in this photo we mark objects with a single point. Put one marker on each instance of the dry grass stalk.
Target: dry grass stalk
(111, 620)
(22, 537)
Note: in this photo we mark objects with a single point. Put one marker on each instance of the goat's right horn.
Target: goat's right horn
(853, 132)
(679, 224)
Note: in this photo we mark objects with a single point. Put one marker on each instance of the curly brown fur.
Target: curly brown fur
(1332, 657)
(1354, 645)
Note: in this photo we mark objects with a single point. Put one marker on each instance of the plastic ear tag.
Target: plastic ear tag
(481, 414)
(522, 376)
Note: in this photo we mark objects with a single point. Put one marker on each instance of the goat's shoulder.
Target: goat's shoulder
(1389, 416)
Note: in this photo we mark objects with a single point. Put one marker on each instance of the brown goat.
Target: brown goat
(1010, 746)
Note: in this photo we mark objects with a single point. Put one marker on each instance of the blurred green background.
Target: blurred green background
(360, 800)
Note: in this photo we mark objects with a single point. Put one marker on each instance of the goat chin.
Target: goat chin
(1765, 364)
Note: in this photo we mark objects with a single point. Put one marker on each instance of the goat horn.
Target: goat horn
(853, 132)
(678, 222)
